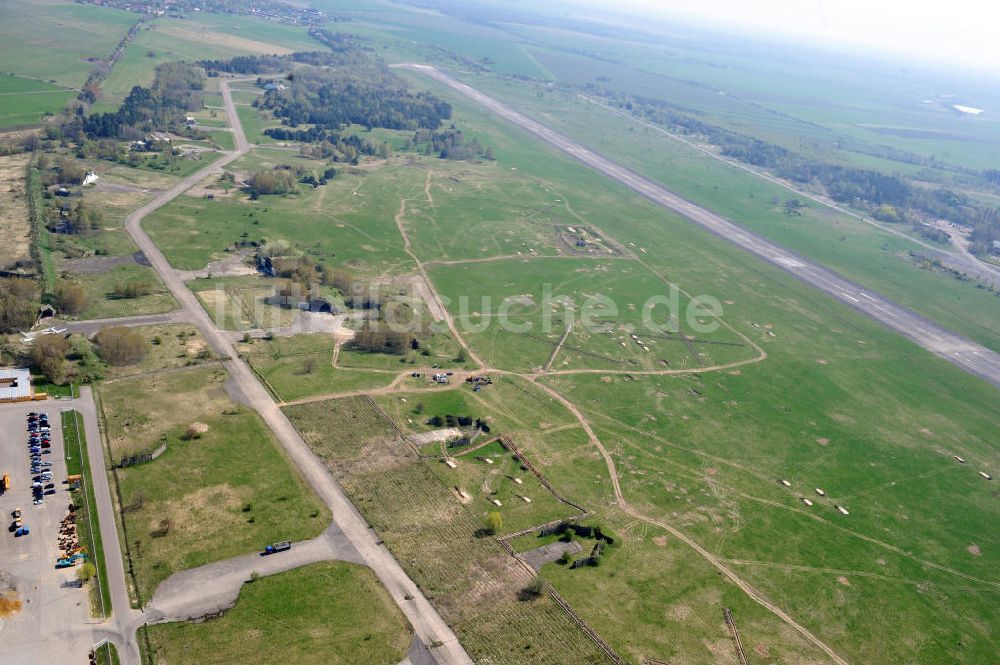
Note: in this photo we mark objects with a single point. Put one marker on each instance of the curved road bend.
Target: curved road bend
(427, 623)
(960, 351)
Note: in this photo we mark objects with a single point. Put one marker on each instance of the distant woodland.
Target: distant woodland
(889, 198)
(176, 89)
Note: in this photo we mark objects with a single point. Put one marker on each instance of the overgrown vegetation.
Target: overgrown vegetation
(121, 346)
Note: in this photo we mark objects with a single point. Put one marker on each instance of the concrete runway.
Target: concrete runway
(956, 349)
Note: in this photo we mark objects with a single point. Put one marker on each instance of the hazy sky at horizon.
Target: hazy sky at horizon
(964, 31)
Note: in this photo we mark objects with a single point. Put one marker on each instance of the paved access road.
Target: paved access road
(428, 625)
(964, 353)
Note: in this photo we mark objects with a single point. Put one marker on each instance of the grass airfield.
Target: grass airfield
(697, 436)
(802, 389)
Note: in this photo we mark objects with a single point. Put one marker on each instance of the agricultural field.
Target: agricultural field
(25, 101)
(202, 37)
(221, 488)
(326, 613)
(57, 41)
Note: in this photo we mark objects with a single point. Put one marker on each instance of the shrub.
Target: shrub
(494, 522)
(121, 346)
(70, 298)
(533, 591)
(48, 353)
(133, 288)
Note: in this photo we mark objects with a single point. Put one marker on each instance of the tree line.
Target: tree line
(448, 144)
(866, 188)
(369, 95)
(176, 89)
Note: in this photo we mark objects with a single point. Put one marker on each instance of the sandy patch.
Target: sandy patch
(925, 431)
(823, 441)
(735, 372)
(660, 541)
(711, 470)
(843, 580)
(822, 361)
(10, 600)
(678, 613)
(194, 346)
(974, 550)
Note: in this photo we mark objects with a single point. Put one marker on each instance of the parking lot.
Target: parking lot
(52, 603)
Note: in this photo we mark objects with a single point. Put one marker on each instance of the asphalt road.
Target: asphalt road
(122, 613)
(428, 625)
(209, 589)
(958, 350)
(93, 326)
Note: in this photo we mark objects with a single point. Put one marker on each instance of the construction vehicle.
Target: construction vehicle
(22, 531)
(283, 546)
(5, 483)
(66, 562)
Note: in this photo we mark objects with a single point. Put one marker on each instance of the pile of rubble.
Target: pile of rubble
(69, 541)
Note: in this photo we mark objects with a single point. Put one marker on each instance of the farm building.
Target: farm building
(15, 385)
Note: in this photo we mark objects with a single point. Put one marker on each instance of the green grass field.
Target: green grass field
(326, 613)
(208, 498)
(52, 40)
(349, 221)
(24, 101)
(705, 452)
(77, 463)
(200, 37)
(863, 253)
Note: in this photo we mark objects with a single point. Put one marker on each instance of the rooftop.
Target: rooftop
(14, 384)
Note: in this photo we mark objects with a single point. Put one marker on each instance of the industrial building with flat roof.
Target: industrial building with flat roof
(15, 385)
